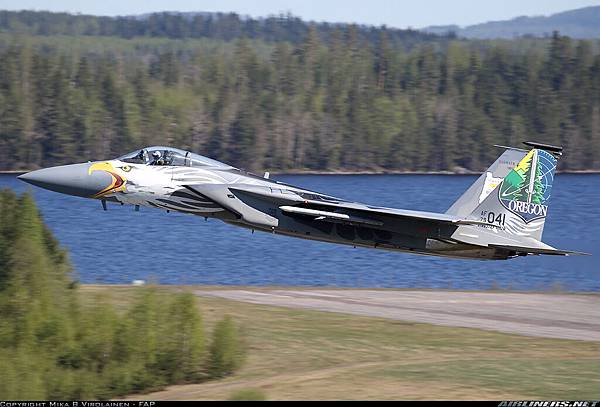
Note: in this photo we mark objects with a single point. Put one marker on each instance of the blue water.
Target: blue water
(121, 245)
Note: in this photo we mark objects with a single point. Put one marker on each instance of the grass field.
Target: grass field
(295, 354)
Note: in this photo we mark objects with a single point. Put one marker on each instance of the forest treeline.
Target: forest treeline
(344, 103)
(221, 26)
(54, 345)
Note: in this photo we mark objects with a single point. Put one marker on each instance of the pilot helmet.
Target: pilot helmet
(156, 154)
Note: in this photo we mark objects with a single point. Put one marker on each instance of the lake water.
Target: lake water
(121, 245)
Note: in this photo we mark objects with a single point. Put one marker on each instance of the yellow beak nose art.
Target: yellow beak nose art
(117, 184)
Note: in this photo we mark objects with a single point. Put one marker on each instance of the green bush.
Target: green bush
(227, 350)
(248, 395)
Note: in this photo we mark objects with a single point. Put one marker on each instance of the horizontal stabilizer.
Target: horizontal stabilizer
(557, 150)
(537, 250)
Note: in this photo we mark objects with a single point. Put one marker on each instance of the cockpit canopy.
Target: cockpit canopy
(159, 155)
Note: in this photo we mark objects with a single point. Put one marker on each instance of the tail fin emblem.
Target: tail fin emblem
(526, 189)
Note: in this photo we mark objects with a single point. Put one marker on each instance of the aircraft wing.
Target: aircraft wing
(323, 208)
(333, 210)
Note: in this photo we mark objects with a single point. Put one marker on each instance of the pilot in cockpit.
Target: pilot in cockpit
(142, 156)
(157, 158)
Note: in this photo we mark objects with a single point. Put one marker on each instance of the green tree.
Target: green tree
(53, 346)
(181, 347)
(227, 350)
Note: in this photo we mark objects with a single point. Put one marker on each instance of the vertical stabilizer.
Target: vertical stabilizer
(487, 182)
(518, 206)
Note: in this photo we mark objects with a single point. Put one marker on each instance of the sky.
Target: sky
(393, 13)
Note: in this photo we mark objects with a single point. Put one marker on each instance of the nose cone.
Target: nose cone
(72, 179)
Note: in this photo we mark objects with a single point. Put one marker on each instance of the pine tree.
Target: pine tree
(538, 190)
(536, 195)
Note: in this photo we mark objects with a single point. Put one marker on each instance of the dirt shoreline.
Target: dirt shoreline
(259, 288)
(559, 315)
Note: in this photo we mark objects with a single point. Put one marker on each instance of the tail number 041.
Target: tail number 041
(493, 218)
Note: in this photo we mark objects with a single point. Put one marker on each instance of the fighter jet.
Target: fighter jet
(501, 216)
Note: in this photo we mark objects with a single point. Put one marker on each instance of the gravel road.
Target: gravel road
(565, 316)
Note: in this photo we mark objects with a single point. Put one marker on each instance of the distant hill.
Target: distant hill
(579, 23)
(187, 15)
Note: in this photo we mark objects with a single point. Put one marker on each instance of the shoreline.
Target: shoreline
(258, 288)
(366, 172)
(548, 315)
